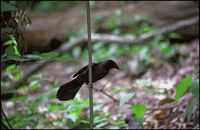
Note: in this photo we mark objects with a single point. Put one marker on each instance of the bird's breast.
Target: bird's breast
(99, 73)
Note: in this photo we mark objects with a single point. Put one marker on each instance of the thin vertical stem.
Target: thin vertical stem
(4, 114)
(90, 62)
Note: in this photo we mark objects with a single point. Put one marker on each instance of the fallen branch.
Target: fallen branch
(108, 38)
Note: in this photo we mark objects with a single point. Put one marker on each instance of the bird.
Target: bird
(99, 70)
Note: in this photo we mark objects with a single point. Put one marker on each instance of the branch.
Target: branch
(169, 28)
(108, 38)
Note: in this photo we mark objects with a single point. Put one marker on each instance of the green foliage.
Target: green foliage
(139, 17)
(49, 6)
(52, 6)
(7, 7)
(100, 121)
(174, 35)
(146, 28)
(123, 88)
(157, 51)
(49, 55)
(13, 72)
(191, 107)
(194, 87)
(63, 58)
(125, 99)
(138, 111)
(12, 53)
(6, 30)
(76, 52)
(34, 84)
(11, 49)
(111, 23)
(144, 82)
(102, 52)
(182, 87)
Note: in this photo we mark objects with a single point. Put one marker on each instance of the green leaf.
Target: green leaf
(139, 120)
(10, 50)
(18, 75)
(10, 68)
(6, 30)
(190, 108)
(195, 89)
(117, 90)
(16, 51)
(144, 82)
(97, 107)
(31, 56)
(9, 42)
(147, 28)
(100, 125)
(34, 84)
(135, 49)
(20, 124)
(13, 40)
(99, 119)
(54, 107)
(16, 58)
(120, 123)
(125, 99)
(111, 23)
(63, 58)
(20, 99)
(49, 55)
(72, 116)
(113, 127)
(182, 87)
(139, 110)
(9, 91)
(174, 35)
(7, 7)
(97, 46)
(76, 51)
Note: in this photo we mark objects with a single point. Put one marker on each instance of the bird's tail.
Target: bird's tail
(69, 90)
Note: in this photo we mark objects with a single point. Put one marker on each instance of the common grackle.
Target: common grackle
(99, 70)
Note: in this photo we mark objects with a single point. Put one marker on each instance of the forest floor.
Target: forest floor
(156, 86)
(164, 78)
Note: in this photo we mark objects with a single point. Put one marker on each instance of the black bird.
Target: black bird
(99, 70)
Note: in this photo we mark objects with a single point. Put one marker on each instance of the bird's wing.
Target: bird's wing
(84, 69)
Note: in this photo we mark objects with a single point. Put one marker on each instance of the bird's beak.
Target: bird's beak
(117, 67)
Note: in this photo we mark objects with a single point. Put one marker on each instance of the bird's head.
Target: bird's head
(111, 64)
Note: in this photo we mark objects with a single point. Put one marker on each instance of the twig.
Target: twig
(106, 84)
(108, 95)
(107, 38)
